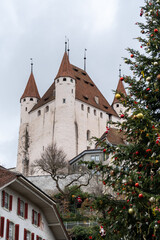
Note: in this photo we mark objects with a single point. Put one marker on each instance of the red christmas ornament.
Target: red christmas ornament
(122, 115)
(148, 89)
(158, 221)
(137, 152)
(135, 102)
(141, 12)
(141, 47)
(136, 184)
(140, 165)
(122, 78)
(104, 150)
(90, 237)
(148, 150)
(153, 126)
(152, 35)
(155, 30)
(139, 177)
(127, 200)
(132, 55)
(140, 195)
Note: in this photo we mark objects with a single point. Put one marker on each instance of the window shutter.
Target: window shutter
(10, 202)
(3, 198)
(39, 219)
(32, 216)
(32, 236)
(37, 238)
(26, 211)
(25, 234)
(2, 227)
(17, 232)
(7, 229)
(18, 206)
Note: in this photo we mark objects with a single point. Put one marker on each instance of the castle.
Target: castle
(70, 112)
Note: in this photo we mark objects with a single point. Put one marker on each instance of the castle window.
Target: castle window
(117, 105)
(96, 99)
(39, 112)
(84, 73)
(31, 99)
(57, 80)
(95, 113)
(88, 134)
(76, 70)
(24, 100)
(88, 109)
(71, 80)
(64, 100)
(101, 115)
(64, 79)
(7, 200)
(92, 84)
(26, 108)
(72, 91)
(47, 109)
(78, 78)
(105, 107)
(82, 107)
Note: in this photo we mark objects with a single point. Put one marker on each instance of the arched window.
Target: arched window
(24, 100)
(47, 109)
(26, 108)
(39, 112)
(117, 105)
(101, 115)
(82, 107)
(88, 109)
(95, 113)
(64, 79)
(31, 99)
(88, 134)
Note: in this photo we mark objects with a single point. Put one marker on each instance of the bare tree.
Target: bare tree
(53, 161)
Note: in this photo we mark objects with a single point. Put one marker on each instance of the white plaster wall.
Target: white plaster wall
(42, 231)
(26, 106)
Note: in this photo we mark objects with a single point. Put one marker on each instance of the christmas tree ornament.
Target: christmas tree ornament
(132, 55)
(118, 96)
(148, 89)
(141, 12)
(140, 195)
(152, 199)
(126, 61)
(140, 115)
(130, 211)
(155, 63)
(102, 231)
(158, 77)
(146, 14)
(148, 79)
(155, 30)
(104, 150)
(156, 226)
(142, 31)
(136, 184)
(112, 173)
(122, 78)
(122, 115)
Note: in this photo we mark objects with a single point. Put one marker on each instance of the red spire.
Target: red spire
(120, 89)
(65, 69)
(31, 88)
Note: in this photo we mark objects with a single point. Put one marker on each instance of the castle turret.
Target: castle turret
(29, 98)
(117, 106)
(65, 126)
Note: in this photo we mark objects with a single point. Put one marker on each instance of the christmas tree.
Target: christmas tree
(134, 174)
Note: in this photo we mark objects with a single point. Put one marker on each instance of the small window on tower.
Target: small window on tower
(47, 109)
(72, 91)
(24, 100)
(88, 109)
(82, 107)
(26, 108)
(39, 112)
(64, 100)
(57, 80)
(101, 115)
(31, 99)
(71, 80)
(95, 113)
(64, 79)
(117, 105)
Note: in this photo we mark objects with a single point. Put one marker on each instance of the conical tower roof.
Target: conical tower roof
(65, 69)
(120, 89)
(31, 89)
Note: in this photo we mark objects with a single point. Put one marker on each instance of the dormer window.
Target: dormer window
(96, 99)
(64, 79)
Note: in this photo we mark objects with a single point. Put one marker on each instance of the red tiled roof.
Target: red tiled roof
(120, 89)
(6, 176)
(65, 69)
(114, 136)
(86, 90)
(31, 89)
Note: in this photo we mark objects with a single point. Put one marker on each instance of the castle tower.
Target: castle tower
(117, 106)
(65, 126)
(29, 98)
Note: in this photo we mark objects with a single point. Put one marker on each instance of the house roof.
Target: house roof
(31, 89)
(26, 188)
(120, 89)
(86, 90)
(114, 136)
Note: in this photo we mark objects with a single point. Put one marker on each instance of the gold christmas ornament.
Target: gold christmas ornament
(148, 79)
(152, 199)
(140, 115)
(130, 211)
(155, 63)
(158, 77)
(118, 96)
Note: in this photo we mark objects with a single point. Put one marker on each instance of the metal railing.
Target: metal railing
(70, 225)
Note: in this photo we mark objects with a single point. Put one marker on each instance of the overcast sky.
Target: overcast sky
(37, 29)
